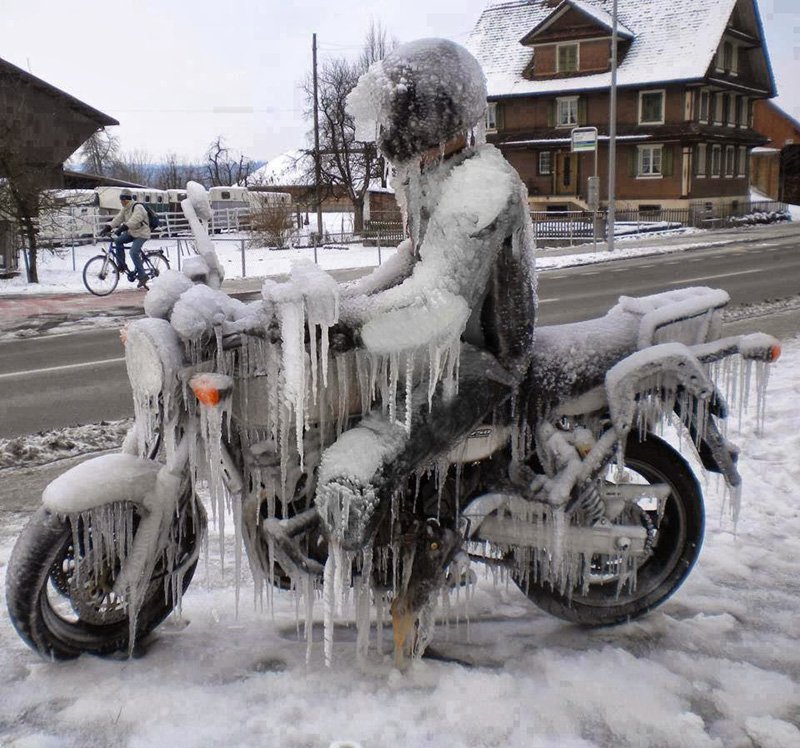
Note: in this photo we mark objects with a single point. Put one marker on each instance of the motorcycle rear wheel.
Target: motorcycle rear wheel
(677, 546)
(61, 619)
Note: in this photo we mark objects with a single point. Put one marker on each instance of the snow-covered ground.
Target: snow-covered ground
(717, 665)
(57, 275)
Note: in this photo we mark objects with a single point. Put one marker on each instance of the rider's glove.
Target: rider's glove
(105, 231)
(123, 227)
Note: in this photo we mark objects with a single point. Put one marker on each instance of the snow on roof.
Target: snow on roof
(602, 17)
(673, 40)
(291, 169)
(598, 14)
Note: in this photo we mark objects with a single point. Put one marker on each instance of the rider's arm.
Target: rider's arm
(118, 219)
(388, 274)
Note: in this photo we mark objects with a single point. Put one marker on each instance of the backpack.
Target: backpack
(152, 217)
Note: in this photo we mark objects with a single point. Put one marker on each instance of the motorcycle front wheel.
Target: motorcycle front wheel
(676, 546)
(60, 599)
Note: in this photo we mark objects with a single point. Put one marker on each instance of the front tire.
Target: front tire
(62, 614)
(100, 275)
(676, 548)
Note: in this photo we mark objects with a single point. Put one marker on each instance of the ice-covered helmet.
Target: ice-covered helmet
(419, 96)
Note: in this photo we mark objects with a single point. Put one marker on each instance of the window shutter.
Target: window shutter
(499, 116)
(633, 162)
(582, 115)
(551, 113)
(666, 160)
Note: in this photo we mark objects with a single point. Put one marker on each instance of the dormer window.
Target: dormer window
(567, 58)
(651, 108)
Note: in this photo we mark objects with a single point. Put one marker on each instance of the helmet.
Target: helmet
(419, 96)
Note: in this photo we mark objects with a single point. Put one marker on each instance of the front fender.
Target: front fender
(103, 480)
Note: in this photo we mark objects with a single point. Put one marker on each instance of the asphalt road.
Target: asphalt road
(51, 382)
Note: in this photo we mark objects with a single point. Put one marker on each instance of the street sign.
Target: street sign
(584, 139)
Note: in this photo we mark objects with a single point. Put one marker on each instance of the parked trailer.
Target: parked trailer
(228, 197)
(69, 214)
(109, 203)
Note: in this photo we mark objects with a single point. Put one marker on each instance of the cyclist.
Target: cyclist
(133, 227)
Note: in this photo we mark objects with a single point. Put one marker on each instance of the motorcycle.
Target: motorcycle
(572, 493)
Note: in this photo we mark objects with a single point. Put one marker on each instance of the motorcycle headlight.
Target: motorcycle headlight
(153, 355)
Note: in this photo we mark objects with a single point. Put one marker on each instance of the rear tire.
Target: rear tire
(45, 601)
(676, 548)
(100, 276)
(159, 262)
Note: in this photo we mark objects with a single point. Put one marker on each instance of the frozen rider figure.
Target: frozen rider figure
(133, 228)
(468, 267)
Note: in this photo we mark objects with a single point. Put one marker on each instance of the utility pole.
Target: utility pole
(317, 167)
(612, 134)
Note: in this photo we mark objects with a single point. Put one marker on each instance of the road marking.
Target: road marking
(718, 275)
(64, 367)
(549, 301)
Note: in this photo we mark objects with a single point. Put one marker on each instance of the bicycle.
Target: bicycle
(101, 273)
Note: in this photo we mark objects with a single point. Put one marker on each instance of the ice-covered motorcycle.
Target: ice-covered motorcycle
(596, 517)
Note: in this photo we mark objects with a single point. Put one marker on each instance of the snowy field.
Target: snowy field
(717, 665)
(57, 275)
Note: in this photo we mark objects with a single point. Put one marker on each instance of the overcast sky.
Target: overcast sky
(177, 74)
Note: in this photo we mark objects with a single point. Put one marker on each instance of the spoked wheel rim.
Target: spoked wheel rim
(667, 540)
(159, 264)
(614, 594)
(100, 276)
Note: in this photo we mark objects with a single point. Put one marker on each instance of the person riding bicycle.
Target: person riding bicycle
(133, 227)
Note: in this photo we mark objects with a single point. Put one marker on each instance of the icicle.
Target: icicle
(363, 605)
(409, 390)
(329, 600)
(308, 592)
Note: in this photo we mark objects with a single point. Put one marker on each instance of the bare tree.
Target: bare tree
(134, 166)
(99, 153)
(346, 163)
(173, 174)
(225, 167)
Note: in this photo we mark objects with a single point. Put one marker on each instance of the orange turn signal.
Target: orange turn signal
(205, 394)
(774, 353)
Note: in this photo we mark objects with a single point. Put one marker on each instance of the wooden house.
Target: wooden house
(688, 74)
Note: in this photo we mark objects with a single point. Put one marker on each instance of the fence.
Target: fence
(577, 227)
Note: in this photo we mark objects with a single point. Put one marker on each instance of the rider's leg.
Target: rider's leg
(119, 248)
(353, 494)
(136, 256)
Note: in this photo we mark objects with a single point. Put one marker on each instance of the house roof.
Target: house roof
(599, 15)
(103, 120)
(673, 40)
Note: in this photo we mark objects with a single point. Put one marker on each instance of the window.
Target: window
(650, 160)
(730, 161)
(745, 120)
(716, 160)
(491, 116)
(704, 98)
(225, 195)
(742, 160)
(545, 163)
(719, 106)
(567, 112)
(701, 154)
(651, 108)
(567, 58)
(726, 109)
(740, 110)
(727, 56)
